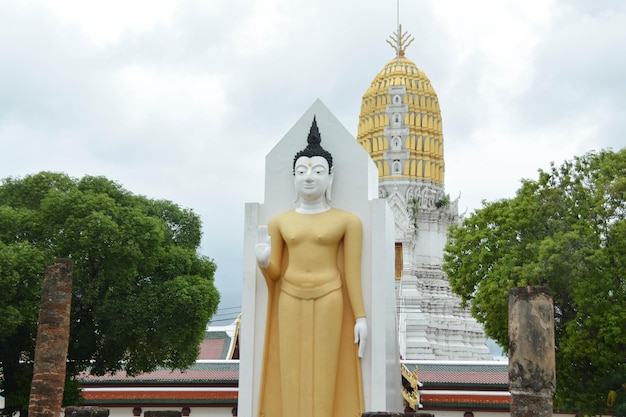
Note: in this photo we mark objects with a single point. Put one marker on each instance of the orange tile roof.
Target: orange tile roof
(213, 381)
(450, 398)
(147, 395)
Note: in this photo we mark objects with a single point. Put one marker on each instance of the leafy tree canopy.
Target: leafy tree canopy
(142, 295)
(565, 230)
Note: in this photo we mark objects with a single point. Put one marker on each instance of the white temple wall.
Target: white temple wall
(227, 412)
(194, 411)
(430, 244)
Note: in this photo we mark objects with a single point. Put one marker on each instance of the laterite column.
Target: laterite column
(532, 374)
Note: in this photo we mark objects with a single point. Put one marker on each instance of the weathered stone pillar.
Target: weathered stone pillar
(46, 391)
(88, 411)
(532, 374)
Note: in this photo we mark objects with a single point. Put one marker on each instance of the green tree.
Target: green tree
(142, 295)
(565, 230)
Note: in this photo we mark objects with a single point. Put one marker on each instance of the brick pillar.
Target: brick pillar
(46, 391)
(532, 374)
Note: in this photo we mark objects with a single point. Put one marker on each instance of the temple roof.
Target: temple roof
(465, 374)
(213, 381)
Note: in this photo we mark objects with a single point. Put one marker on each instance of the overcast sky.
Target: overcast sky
(182, 100)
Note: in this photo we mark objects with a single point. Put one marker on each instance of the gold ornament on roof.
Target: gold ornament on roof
(400, 41)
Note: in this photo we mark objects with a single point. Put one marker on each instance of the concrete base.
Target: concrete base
(86, 412)
(163, 413)
(391, 414)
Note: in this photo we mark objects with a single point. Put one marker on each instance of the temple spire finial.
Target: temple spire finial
(400, 41)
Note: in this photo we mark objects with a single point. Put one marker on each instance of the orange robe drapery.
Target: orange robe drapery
(311, 366)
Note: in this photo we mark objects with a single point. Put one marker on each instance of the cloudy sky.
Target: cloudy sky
(181, 100)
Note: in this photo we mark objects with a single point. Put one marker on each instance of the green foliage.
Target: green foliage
(142, 295)
(413, 208)
(443, 201)
(565, 230)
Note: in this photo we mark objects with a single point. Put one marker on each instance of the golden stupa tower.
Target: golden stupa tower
(400, 127)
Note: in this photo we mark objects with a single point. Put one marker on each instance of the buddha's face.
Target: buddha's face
(312, 177)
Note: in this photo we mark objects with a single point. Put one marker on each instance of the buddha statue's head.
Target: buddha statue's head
(312, 168)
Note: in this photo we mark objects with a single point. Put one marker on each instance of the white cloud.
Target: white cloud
(182, 99)
(104, 22)
(171, 98)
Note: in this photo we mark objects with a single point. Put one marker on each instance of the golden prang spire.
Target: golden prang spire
(400, 120)
(400, 41)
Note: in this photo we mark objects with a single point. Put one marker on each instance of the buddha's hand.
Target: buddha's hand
(263, 247)
(360, 334)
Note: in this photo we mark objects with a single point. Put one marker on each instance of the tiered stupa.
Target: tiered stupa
(400, 127)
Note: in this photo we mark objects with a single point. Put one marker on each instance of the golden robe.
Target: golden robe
(311, 366)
